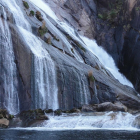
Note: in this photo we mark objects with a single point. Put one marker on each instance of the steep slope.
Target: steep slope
(113, 23)
(54, 68)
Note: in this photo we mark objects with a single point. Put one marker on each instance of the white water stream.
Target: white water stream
(108, 120)
(8, 69)
(91, 45)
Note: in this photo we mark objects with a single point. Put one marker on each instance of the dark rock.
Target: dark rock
(75, 110)
(42, 117)
(89, 108)
(58, 112)
(107, 106)
(32, 116)
(49, 111)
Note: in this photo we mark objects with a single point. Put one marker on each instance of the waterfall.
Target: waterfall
(45, 8)
(8, 71)
(44, 90)
(44, 86)
(105, 59)
(91, 45)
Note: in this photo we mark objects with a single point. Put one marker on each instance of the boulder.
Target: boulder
(49, 111)
(75, 110)
(89, 108)
(58, 112)
(4, 123)
(108, 106)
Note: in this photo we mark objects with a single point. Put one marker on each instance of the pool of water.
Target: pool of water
(30, 134)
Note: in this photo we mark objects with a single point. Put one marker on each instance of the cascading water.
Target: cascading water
(106, 60)
(44, 86)
(7, 68)
(90, 45)
(100, 120)
(47, 10)
(44, 90)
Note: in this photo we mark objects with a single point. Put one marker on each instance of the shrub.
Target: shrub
(49, 40)
(42, 30)
(90, 76)
(39, 16)
(11, 117)
(103, 16)
(25, 4)
(113, 14)
(32, 13)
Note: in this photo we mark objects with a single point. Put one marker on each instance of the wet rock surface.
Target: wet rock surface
(31, 117)
(114, 24)
(72, 75)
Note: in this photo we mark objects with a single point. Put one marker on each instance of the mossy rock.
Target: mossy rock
(25, 4)
(58, 112)
(49, 111)
(39, 111)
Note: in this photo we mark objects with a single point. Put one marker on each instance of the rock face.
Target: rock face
(75, 87)
(113, 23)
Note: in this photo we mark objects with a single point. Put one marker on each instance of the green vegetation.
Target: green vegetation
(80, 46)
(111, 14)
(32, 13)
(90, 76)
(126, 27)
(137, 8)
(25, 4)
(42, 30)
(11, 117)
